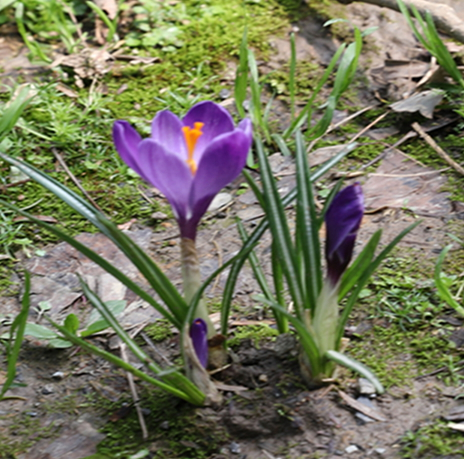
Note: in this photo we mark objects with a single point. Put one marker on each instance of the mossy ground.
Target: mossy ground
(176, 430)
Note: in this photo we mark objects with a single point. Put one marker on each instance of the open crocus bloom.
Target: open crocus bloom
(342, 221)
(188, 160)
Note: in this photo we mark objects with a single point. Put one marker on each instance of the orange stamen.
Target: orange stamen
(191, 136)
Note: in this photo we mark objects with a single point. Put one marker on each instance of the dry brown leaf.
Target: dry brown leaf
(350, 401)
(229, 388)
(109, 6)
(67, 91)
(126, 226)
(42, 218)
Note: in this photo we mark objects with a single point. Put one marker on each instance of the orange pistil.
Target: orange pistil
(191, 136)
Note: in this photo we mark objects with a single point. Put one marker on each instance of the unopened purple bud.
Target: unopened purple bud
(342, 221)
(199, 336)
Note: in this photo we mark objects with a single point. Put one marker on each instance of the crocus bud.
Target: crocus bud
(199, 337)
(342, 221)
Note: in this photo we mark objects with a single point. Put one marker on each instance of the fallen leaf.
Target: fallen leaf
(229, 388)
(67, 91)
(42, 218)
(109, 6)
(424, 103)
(456, 426)
(126, 226)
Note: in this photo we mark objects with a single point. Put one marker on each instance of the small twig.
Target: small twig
(30, 206)
(75, 22)
(135, 396)
(366, 128)
(417, 127)
(4, 187)
(411, 175)
(74, 179)
(152, 346)
(350, 118)
(144, 196)
(437, 371)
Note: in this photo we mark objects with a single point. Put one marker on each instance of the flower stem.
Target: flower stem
(192, 280)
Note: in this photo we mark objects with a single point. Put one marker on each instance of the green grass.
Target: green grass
(432, 440)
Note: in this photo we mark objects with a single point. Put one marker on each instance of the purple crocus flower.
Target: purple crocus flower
(198, 335)
(342, 221)
(189, 160)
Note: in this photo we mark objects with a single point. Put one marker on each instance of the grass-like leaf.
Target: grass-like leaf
(153, 274)
(305, 114)
(238, 260)
(175, 379)
(306, 339)
(196, 399)
(431, 41)
(16, 336)
(280, 232)
(108, 267)
(356, 366)
(443, 290)
(306, 227)
(255, 265)
(13, 111)
(241, 76)
(292, 75)
(359, 265)
(365, 277)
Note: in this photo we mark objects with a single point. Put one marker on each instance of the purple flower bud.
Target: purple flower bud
(190, 159)
(342, 221)
(199, 336)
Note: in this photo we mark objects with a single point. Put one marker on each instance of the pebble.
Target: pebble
(380, 451)
(365, 387)
(59, 375)
(164, 425)
(159, 216)
(219, 200)
(234, 448)
(351, 449)
(367, 402)
(263, 378)
(224, 94)
(48, 389)
(32, 414)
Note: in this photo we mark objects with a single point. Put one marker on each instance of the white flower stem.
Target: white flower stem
(192, 280)
(325, 319)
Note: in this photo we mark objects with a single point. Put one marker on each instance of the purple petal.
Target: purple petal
(168, 173)
(221, 163)
(246, 126)
(216, 119)
(166, 129)
(198, 335)
(343, 219)
(126, 140)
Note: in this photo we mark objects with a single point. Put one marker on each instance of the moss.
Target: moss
(256, 333)
(428, 156)
(21, 433)
(408, 336)
(431, 441)
(190, 72)
(159, 331)
(177, 430)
